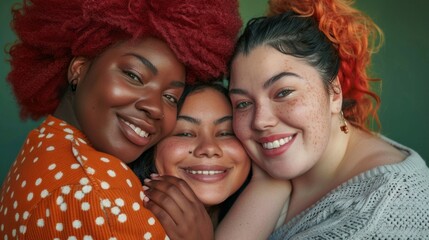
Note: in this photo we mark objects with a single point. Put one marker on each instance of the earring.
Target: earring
(344, 127)
(73, 84)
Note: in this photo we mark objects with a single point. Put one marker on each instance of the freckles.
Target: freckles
(317, 114)
(241, 120)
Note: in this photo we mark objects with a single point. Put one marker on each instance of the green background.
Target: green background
(402, 63)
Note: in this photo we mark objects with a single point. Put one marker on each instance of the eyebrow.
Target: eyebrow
(146, 62)
(221, 120)
(188, 119)
(198, 122)
(177, 84)
(153, 69)
(266, 84)
(277, 77)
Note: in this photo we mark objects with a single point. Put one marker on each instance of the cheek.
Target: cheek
(318, 116)
(235, 151)
(241, 125)
(169, 154)
(96, 95)
(168, 122)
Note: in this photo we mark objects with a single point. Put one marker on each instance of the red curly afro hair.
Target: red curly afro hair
(51, 32)
(356, 37)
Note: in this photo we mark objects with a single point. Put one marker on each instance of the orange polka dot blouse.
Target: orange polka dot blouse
(60, 187)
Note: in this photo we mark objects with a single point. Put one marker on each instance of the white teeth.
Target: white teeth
(204, 172)
(138, 130)
(276, 143)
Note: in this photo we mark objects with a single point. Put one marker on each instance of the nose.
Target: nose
(264, 118)
(208, 147)
(151, 103)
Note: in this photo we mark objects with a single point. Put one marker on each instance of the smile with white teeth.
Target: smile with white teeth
(203, 172)
(276, 143)
(137, 130)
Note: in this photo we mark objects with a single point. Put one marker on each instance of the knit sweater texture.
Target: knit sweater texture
(386, 202)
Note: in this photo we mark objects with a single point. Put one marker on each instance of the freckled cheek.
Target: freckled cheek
(319, 120)
(290, 112)
(242, 125)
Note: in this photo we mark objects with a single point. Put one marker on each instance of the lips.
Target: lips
(204, 172)
(132, 128)
(137, 130)
(276, 143)
(208, 174)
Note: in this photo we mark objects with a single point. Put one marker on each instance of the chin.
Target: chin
(128, 157)
(212, 200)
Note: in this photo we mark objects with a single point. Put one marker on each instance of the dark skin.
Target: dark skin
(177, 207)
(138, 82)
(131, 83)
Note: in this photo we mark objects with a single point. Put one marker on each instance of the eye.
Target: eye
(284, 93)
(226, 134)
(241, 105)
(184, 134)
(171, 98)
(132, 76)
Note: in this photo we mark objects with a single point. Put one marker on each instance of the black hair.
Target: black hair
(145, 164)
(294, 35)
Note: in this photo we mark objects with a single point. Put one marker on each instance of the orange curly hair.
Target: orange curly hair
(51, 32)
(356, 37)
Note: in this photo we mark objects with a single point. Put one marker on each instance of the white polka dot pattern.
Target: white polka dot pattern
(59, 187)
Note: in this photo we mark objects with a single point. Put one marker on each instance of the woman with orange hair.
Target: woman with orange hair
(107, 74)
(301, 104)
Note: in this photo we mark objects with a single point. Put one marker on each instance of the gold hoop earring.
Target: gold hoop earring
(344, 128)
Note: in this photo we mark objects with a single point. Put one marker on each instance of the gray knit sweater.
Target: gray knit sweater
(387, 202)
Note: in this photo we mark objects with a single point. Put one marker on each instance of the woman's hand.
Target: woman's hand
(178, 209)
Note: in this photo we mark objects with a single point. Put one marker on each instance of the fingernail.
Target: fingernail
(154, 175)
(146, 180)
(145, 187)
(146, 199)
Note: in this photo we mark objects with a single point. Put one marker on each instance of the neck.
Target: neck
(65, 110)
(330, 170)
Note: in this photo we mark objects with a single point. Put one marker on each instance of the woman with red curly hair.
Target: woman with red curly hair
(107, 75)
(301, 104)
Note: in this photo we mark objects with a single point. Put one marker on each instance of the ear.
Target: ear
(336, 96)
(76, 69)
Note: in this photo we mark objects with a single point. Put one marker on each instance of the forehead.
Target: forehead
(263, 62)
(205, 100)
(155, 50)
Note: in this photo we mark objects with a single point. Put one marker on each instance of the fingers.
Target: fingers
(169, 184)
(178, 209)
(165, 200)
(172, 194)
(163, 216)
